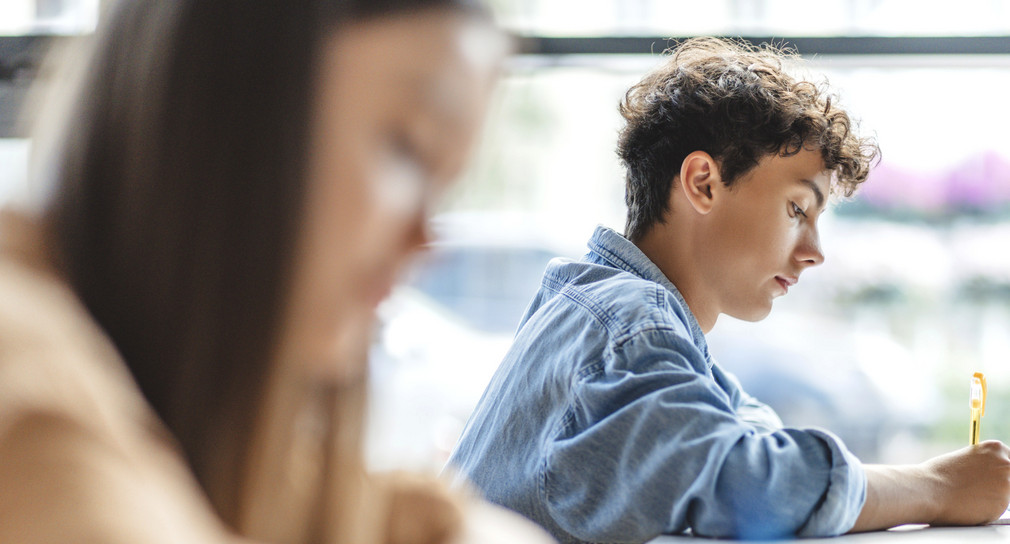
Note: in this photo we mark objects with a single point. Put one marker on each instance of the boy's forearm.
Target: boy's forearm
(896, 494)
(965, 487)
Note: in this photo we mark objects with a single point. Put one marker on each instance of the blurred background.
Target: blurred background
(877, 345)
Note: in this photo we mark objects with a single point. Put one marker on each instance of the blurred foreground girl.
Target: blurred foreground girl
(222, 196)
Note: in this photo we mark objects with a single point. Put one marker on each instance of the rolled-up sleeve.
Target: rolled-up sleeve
(846, 493)
(654, 445)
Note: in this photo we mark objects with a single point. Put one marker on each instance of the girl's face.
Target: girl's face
(399, 103)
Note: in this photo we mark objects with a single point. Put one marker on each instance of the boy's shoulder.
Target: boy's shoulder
(623, 302)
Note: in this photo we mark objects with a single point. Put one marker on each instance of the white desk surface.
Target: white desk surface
(905, 534)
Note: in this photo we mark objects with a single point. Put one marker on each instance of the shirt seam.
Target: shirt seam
(566, 290)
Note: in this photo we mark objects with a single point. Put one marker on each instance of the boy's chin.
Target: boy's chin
(751, 314)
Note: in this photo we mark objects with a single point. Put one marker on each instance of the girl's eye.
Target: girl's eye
(405, 147)
(797, 210)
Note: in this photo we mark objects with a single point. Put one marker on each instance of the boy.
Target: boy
(608, 421)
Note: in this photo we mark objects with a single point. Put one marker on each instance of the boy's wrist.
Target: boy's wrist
(899, 494)
(930, 492)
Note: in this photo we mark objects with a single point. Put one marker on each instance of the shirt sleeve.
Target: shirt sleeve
(652, 445)
(748, 408)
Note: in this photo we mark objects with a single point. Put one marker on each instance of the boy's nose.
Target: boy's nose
(808, 252)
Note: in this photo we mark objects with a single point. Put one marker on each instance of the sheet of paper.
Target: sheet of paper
(1004, 519)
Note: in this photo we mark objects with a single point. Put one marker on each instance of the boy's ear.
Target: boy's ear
(699, 174)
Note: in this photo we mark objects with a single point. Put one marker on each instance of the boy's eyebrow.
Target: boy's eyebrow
(817, 191)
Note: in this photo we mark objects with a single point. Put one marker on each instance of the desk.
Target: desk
(905, 534)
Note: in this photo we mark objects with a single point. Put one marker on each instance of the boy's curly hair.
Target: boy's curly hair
(735, 102)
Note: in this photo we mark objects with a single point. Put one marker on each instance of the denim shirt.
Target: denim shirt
(608, 421)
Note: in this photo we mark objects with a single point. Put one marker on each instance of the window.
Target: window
(42, 17)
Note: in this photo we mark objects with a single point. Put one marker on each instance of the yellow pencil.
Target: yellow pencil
(976, 401)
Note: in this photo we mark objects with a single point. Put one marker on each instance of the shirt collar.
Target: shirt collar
(621, 253)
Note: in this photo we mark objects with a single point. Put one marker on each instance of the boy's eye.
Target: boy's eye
(797, 210)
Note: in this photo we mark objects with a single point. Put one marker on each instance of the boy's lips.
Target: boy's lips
(786, 281)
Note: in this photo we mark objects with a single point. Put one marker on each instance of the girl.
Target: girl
(231, 188)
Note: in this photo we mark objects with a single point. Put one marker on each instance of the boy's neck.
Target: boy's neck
(675, 259)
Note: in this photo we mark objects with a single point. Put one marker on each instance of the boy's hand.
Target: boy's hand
(972, 484)
(966, 487)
